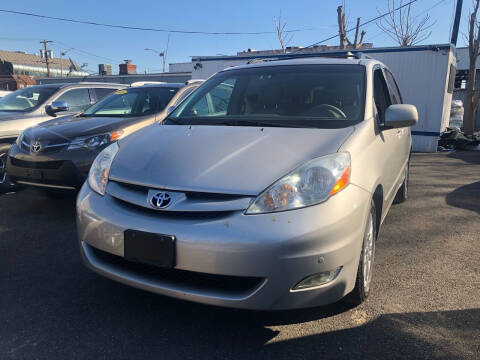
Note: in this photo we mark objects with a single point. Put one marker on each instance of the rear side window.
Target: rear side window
(380, 94)
(103, 92)
(77, 99)
(394, 91)
(133, 102)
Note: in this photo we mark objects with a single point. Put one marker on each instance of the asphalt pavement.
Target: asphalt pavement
(425, 302)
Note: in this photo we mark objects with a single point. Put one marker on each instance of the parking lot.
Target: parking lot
(425, 302)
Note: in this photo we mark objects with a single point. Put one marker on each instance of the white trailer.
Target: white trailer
(425, 75)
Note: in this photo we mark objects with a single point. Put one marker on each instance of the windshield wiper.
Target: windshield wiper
(258, 123)
(173, 120)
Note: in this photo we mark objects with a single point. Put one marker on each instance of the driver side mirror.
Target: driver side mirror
(57, 106)
(400, 115)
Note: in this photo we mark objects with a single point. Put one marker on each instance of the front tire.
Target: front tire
(365, 266)
(5, 184)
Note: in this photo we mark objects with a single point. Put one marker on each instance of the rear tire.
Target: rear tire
(362, 287)
(5, 184)
(402, 193)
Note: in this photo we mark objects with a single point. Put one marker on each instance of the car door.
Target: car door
(389, 156)
(403, 142)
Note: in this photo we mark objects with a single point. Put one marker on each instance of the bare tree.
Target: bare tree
(282, 34)
(472, 95)
(402, 26)
(342, 31)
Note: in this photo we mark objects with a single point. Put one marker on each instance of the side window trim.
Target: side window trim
(394, 84)
(93, 96)
(382, 71)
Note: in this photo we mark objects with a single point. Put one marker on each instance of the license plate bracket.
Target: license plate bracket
(150, 248)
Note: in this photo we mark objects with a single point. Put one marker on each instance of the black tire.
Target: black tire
(58, 194)
(5, 184)
(362, 288)
(402, 193)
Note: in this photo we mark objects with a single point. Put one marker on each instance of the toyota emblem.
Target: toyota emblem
(35, 147)
(160, 200)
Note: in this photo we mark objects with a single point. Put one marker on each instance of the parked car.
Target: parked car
(265, 189)
(57, 154)
(35, 104)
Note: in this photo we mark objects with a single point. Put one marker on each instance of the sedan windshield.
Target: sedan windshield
(133, 102)
(27, 99)
(322, 96)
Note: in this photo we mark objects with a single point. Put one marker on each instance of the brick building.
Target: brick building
(19, 69)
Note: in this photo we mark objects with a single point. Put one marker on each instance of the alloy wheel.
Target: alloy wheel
(368, 254)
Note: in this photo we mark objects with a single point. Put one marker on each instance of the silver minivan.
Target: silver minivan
(265, 189)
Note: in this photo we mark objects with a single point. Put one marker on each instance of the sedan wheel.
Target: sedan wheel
(5, 184)
(3, 168)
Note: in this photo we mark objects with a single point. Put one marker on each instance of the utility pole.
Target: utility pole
(45, 42)
(456, 23)
(162, 54)
(165, 52)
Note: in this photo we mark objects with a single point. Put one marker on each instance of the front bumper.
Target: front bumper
(59, 170)
(279, 249)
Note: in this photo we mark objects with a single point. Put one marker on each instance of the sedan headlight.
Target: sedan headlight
(94, 141)
(20, 139)
(311, 183)
(98, 176)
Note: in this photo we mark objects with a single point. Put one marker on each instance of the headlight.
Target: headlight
(20, 139)
(309, 184)
(94, 141)
(98, 176)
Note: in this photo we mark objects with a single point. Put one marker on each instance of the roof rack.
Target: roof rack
(260, 60)
(359, 55)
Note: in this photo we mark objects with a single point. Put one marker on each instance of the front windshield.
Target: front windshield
(290, 95)
(133, 102)
(27, 99)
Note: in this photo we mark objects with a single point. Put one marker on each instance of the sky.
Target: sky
(94, 44)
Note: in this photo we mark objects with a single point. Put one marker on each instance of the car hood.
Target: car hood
(70, 127)
(220, 159)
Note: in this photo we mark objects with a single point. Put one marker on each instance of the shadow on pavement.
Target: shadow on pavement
(396, 336)
(466, 197)
(472, 157)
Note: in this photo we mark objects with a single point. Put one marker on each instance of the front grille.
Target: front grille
(222, 284)
(207, 204)
(37, 164)
(175, 215)
(48, 147)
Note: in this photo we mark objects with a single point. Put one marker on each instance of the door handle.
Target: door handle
(399, 132)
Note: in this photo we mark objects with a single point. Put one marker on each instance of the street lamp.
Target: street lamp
(159, 53)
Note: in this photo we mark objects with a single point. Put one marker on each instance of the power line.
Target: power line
(142, 28)
(361, 25)
(87, 53)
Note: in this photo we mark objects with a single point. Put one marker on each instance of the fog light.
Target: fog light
(316, 280)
